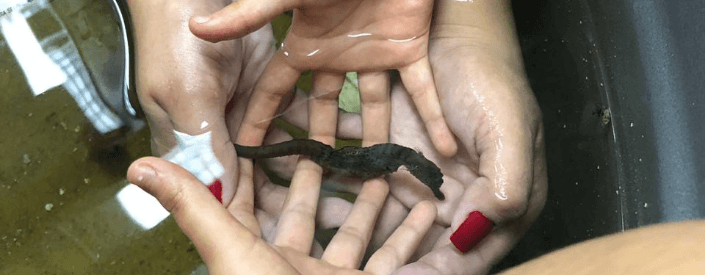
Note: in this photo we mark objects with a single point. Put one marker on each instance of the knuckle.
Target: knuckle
(512, 207)
(176, 201)
(352, 233)
(389, 254)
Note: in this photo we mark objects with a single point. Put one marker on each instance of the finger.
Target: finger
(242, 206)
(392, 215)
(476, 215)
(331, 211)
(323, 106)
(268, 225)
(275, 82)
(297, 222)
(418, 80)
(218, 237)
(316, 250)
(446, 259)
(237, 19)
(270, 199)
(347, 247)
(397, 250)
(375, 107)
(349, 124)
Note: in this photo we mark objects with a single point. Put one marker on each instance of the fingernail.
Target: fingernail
(145, 172)
(216, 189)
(201, 19)
(475, 228)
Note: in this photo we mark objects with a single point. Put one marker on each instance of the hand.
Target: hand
(229, 240)
(500, 167)
(333, 37)
(192, 86)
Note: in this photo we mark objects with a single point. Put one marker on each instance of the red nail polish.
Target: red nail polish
(475, 228)
(216, 189)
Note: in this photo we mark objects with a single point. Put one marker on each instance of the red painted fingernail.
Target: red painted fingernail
(475, 228)
(216, 189)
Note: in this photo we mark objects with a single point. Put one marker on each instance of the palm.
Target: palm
(331, 38)
(480, 106)
(499, 168)
(365, 35)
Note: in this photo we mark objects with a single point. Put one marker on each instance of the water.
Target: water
(59, 177)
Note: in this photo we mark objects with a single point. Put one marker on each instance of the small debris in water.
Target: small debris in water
(646, 205)
(63, 125)
(75, 149)
(48, 206)
(25, 159)
(86, 180)
(61, 191)
(78, 128)
(29, 115)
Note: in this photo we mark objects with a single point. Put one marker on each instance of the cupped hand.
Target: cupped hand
(192, 86)
(229, 240)
(333, 37)
(500, 167)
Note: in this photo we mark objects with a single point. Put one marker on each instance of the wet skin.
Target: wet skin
(355, 162)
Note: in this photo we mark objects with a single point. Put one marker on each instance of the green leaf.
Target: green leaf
(349, 99)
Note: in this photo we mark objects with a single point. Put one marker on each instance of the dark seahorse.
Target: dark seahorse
(356, 162)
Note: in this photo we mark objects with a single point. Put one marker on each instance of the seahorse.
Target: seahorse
(356, 162)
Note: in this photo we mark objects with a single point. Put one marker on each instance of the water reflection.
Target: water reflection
(41, 72)
(142, 208)
(52, 60)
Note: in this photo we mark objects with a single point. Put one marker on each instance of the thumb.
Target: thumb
(238, 19)
(218, 237)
